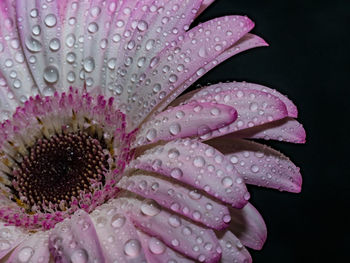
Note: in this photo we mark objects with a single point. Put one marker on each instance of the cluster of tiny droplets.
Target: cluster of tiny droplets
(60, 168)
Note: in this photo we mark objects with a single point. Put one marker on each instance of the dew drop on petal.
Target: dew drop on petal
(79, 256)
(70, 40)
(156, 246)
(118, 221)
(51, 74)
(176, 173)
(254, 168)
(89, 64)
(132, 248)
(25, 254)
(93, 27)
(71, 57)
(173, 153)
(227, 181)
(199, 161)
(142, 25)
(174, 221)
(33, 45)
(150, 208)
(50, 20)
(175, 129)
(36, 30)
(54, 44)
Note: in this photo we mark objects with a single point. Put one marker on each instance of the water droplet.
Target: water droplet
(254, 168)
(150, 208)
(118, 221)
(200, 72)
(156, 246)
(25, 254)
(17, 83)
(151, 134)
(71, 76)
(95, 11)
(173, 78)
(50, 20)
(150, 44)
(173, 153)
(176, 173)
(55, 44)
(174, 221)
(70, 40)
(34, 13)
(194, 194)
(227, 181)
(51, 74)
(142, 25)
(33, 45)
(71, 57)
(79, 256)
(89, 64)
(199, 161)
(253, 106)
(111, 63)
(175, 129)
(132, 247)
(93, 27)
(116, 38)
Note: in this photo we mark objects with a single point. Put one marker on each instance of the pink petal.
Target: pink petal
(259, 164)
(118, 236)
(179, 234)
(249, 226)
(192, 119)
(254, 108)
(184, 200)
(73, 15)
(75, 240)
(12, 59)
(157, 252)
(221, 87)
(287, 129)
(10, 237)
(204, 6)
(33, 249)
(7, 105)
(100, 22)
(175, 65)
(248, 41)
(199, 165)
(145, 29)
(232, 249)
(39, 29)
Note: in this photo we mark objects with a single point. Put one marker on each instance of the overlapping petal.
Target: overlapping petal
(249, 226)
(198, 165)
(10, 237)
(182, 235)
(259, 164)
(75, 240)
(181, 199)
(233, 249)
(33, 249)
(193, 119)
(13, 65)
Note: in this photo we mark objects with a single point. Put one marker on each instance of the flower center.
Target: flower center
(60, 154)
(60, 168)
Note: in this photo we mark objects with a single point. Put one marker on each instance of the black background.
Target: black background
(308, 59)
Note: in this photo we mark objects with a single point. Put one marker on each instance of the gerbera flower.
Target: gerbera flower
(99, 160)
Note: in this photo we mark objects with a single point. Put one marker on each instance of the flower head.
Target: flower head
(103, 161)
